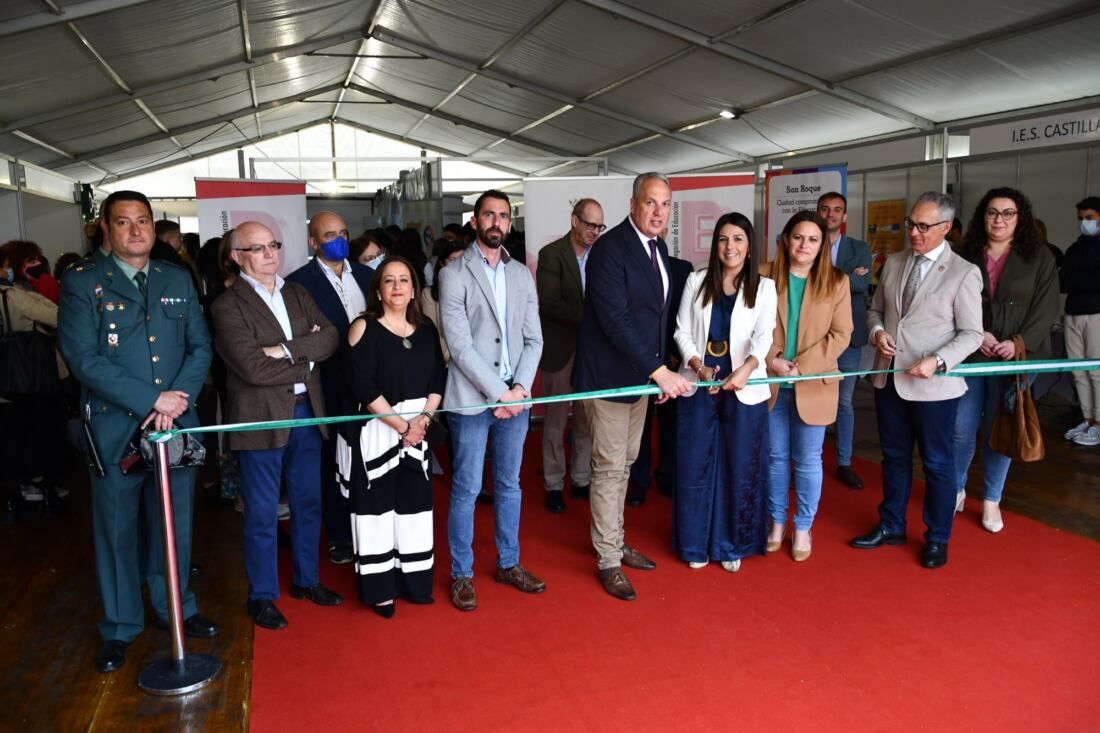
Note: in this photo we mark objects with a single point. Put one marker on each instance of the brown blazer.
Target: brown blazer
(261, 388)
(824, 332)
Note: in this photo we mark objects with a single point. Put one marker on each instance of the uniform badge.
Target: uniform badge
(110, 306)
(112, 339)
(173, 301)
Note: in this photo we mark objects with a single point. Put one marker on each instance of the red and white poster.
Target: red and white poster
(225, 203)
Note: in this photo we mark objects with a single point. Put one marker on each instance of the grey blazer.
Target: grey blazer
(945, 318)
(468, 315)
(852, 254)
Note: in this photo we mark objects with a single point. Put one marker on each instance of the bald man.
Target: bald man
(271, 334)
(339, 288)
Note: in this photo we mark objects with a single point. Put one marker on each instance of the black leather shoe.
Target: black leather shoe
(196, 626)
(265, 614)
(340, 554)
(319, 594)
(877, 537)
(847, 476)
(485, 497)
(578, 492)
(934, 555)
(635, 494)
(555, 502)
(111, 655)
(196, 570)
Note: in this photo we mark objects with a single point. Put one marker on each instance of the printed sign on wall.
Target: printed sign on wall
(224, 203)
(786, 192)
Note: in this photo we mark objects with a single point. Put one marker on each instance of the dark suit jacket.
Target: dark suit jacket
(561, 303)
(625, 326)
(333, 370)
(678, 273)
(853, 254)
(261, 388)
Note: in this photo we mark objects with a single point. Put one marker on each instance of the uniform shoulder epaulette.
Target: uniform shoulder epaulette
(87, 263)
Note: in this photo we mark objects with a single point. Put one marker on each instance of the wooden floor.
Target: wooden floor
(49, 606)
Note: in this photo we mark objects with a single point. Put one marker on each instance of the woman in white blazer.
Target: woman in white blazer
(724, 330)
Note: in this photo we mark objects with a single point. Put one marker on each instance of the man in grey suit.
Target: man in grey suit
(926, 317)
(853, 257)
(490, 319)
(560, 280)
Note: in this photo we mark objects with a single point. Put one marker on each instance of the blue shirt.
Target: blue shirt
(498, 284)
(581, 262)
(836, 248)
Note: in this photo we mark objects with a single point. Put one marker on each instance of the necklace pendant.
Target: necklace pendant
(406, 343)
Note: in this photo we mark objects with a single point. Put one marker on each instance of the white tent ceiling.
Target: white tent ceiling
(103, 89)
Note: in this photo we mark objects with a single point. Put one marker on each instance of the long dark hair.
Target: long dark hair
(374, 301)
(823, 276)
(446, 249)
(747, 279)
(1025, 239)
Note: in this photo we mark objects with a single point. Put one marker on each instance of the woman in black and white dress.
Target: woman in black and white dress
(395, 366)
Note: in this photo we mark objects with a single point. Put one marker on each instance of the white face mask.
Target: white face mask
(1089, 227)
(375, 261)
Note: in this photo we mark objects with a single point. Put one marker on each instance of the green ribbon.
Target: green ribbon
(977, 369)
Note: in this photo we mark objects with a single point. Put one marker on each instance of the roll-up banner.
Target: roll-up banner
(786, 192)
(697, 202)
(224, 203)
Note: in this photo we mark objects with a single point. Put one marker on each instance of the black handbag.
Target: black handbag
(184, 451)
(28, 361)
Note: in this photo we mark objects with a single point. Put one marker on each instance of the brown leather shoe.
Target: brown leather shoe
(634, 559)
(519, 577)
(615, 583)
(462, 594)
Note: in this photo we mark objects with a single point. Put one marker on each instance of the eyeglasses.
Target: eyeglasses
(921, 226)
(1005, 215)
(256, 249)
(590, 227)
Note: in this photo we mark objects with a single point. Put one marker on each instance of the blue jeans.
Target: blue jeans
(977, 408)
(845, 415)
(791, 439)
(471, 434)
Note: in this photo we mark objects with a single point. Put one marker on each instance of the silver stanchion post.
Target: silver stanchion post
(182, 672)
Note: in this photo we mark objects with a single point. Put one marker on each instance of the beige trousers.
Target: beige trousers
(553, 428)
(616, 429)
(1083, 342)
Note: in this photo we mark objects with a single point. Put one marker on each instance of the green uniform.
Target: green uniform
(125, 350)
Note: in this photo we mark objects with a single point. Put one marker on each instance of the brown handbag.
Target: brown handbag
(1015, 432)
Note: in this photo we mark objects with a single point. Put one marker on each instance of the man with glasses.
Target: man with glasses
(852, 257)
(271, 335)
(926, 318)
(339, 288)
(560, 280)
(132, 334)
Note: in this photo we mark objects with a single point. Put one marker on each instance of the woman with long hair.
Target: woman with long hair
(812, 328)
(395, 366)
(723, 330)
(1019, 298)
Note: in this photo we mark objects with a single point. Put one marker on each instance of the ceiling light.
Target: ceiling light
(728, 114)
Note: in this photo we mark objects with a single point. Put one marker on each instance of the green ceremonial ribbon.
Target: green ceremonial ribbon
(978, 369)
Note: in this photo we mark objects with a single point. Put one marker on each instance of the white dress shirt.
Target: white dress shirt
(351, 296)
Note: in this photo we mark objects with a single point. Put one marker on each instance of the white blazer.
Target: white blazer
(750, 332)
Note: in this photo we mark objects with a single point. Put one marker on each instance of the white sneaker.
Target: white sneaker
(1089, 437)
(960, 501)
(32, 492)
(731, 566)
(697, 565)
(1077, 430)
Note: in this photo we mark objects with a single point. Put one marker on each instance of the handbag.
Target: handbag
(1015, 432)
(28, 362)
(184, 451)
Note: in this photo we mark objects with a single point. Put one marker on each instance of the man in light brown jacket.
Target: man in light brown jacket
(271, 335)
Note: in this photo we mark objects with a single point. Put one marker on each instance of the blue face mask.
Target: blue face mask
(335, 250)
(375, 262)
(1090, 227)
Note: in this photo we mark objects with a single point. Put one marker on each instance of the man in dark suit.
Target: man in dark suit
(132, 334)
(271, 335)
(853, 257)
(642, 469)
(560, 280)
(622, 343)
(339, 287)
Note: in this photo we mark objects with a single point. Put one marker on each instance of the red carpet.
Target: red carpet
(1005, 638)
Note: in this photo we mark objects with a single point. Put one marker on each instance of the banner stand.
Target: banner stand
(182, 672)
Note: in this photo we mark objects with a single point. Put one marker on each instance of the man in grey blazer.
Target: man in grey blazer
(560, 280)
(926, 318)
(853, 257)
(490, 319)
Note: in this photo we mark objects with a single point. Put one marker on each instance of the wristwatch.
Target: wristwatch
(941, 365)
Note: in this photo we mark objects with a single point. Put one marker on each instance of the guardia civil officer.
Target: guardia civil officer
(133, 335)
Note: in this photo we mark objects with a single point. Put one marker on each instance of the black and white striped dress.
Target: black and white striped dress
(388, 485)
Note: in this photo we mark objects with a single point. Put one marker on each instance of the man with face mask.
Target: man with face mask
(339, 287)
(1080, 281)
